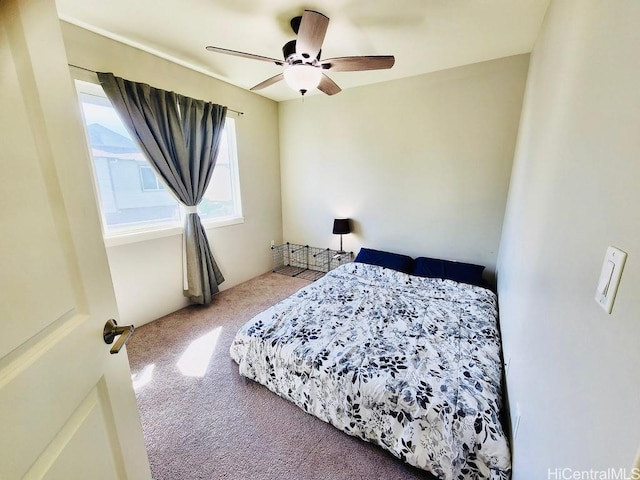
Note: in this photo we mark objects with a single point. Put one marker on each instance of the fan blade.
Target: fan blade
(354, 64)
(268, 81)
(244, 55)
(313, 28)
(328, 86)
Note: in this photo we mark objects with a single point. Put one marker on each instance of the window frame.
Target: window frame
(151, 230)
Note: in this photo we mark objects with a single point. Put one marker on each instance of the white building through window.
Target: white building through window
(132, 197)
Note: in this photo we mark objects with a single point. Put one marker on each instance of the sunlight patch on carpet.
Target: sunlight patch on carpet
(195, 359)
(143, 377)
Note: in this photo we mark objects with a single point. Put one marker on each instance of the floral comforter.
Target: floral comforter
(409, 363)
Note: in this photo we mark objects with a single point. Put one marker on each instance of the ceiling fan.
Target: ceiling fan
(303, 69)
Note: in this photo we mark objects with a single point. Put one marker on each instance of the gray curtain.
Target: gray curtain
(180, 137)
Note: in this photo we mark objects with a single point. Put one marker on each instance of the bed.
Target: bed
(412, 364)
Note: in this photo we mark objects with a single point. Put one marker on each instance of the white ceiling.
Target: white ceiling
(424, 35)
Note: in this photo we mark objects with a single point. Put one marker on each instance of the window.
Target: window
(148, 179)
(221, 200)
(132, 197)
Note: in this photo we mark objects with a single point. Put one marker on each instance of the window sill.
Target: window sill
(125, 238)
(223, 222)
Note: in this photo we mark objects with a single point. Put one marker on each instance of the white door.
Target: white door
(67, 407)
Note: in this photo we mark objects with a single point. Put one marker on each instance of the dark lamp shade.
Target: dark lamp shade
(341, 226)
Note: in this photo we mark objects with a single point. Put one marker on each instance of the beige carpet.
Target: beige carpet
(202, 420)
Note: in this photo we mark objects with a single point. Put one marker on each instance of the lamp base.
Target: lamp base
(341, 251)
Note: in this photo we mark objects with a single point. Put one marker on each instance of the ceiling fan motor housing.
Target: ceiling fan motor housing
(292, 58)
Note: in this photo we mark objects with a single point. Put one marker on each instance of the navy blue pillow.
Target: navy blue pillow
(395, 261)
(458, 271)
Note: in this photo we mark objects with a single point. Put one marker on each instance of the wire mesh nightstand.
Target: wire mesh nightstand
(303, 261)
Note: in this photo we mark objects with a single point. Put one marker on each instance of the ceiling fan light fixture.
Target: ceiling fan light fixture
(303, 77)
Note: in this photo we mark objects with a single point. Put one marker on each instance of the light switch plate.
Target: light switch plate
(610, 278)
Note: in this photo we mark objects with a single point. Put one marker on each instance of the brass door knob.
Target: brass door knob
(112, 330)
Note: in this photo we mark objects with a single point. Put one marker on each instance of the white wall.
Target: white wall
(574, 191)
(421, 165)
(147, 276)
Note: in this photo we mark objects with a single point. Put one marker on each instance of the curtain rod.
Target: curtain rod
(239, 113)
